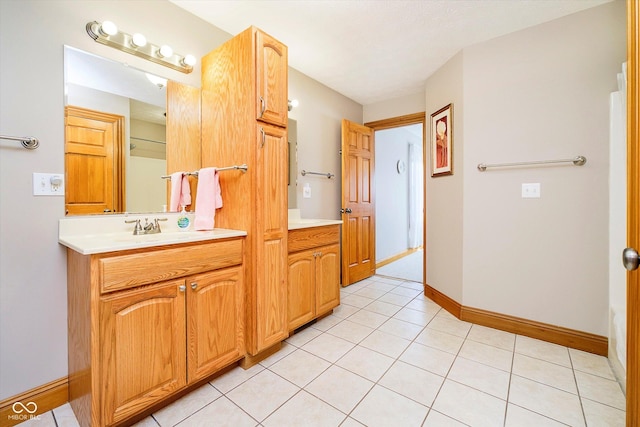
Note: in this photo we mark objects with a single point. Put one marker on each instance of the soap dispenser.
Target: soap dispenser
(183, 220)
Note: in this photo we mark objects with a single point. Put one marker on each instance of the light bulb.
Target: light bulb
(108, 28)
(189, 61)
(138, 40)
(294, 103)
(165, 51)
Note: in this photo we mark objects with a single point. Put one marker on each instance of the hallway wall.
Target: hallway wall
(392, 189)
(540, 259)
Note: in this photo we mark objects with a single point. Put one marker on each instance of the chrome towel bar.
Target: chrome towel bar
(577, 161)
(243, 168)
(28, 142)
(328, 174)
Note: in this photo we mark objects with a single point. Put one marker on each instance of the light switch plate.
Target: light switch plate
(531, 190)
(306, 191)
(48, 184)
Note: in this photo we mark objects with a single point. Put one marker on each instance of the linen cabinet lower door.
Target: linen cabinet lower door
(142, 348)
(327, 278)
(215, 321)
(301, 301)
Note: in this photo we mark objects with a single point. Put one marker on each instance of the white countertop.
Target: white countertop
(307, 223)
(95, 234)
(295, 222)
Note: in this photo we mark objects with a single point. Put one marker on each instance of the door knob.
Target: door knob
(630, 259)
(345, 210)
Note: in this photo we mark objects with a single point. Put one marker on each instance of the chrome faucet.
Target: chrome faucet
(148, 228)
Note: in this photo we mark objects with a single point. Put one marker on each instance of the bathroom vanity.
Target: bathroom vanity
(313, 288)
(149, 315)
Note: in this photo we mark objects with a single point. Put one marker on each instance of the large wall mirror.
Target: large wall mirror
(121, 137)
(292, 135)
(110, 103)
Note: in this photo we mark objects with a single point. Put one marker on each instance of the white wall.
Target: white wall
(33, 312)
(540, 93)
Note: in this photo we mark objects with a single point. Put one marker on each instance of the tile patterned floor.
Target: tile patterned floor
(388, 357)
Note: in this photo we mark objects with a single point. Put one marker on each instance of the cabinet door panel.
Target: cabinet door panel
(142, 348)
(271, 80)
(271, 293)
(327, 278)
(271, 186)
(215, 307)
(301, 289)
(271, 237)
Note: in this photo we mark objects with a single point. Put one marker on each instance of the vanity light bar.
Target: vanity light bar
(107, 33)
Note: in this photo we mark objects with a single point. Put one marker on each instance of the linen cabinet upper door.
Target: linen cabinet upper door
(271, 80)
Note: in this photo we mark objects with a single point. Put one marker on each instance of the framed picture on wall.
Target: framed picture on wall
(442, 142)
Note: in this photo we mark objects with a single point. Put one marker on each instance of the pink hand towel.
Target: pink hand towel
(208, 199)
(180, 191)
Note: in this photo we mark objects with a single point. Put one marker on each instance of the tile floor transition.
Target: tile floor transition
(387, 357)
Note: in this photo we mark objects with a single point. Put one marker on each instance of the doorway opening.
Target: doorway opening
(399, 180)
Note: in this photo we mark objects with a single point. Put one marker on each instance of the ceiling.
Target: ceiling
(375, 50)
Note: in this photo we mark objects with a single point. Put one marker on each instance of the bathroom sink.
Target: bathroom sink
(99, 234)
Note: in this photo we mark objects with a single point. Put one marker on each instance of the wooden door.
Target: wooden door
(301, 301)
(271, 80)
(142, 348)
(358, 203)
(327, 278)
(215, 321)
(271, 236)
(93, 162)
(633, 212)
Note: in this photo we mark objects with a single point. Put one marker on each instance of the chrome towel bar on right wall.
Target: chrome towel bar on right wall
(577, 161)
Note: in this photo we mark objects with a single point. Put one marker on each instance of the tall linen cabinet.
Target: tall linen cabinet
(244, 120)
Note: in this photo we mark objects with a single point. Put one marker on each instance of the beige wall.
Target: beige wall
(540, 93)
(33, 313)
(444, 202)
(395, 107)
(319, 117)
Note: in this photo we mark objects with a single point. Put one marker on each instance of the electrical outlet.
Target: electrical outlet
(531, 191)
(48, 184)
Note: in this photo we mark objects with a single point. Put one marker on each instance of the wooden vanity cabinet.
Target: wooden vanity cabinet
(244, 121)
(145, 324)
(141, 349)
(314, 273)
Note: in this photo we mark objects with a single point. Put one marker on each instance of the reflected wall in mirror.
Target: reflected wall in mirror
(292, 135)
(125, 176)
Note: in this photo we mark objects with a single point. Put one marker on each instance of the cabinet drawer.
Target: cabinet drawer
(306, 238)
(126, 271)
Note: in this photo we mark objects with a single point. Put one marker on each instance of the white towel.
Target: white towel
(208, 199)
(180, 191)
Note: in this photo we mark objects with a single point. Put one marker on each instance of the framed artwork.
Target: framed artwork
(442, 142)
